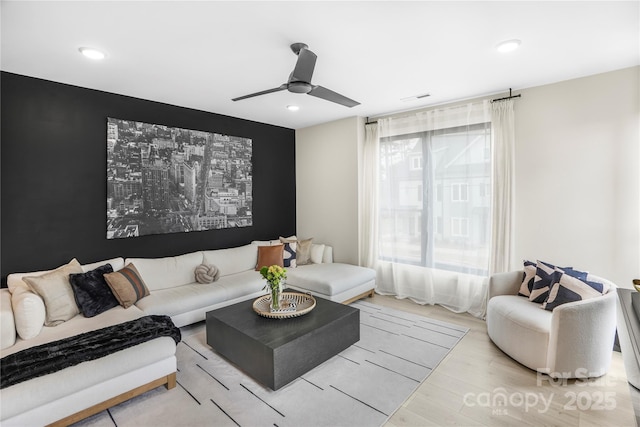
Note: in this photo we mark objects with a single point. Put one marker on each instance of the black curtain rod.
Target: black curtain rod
(493, 100)
(507, 97)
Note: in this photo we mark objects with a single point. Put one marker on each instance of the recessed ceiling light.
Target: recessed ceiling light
(293, 107)
(92, 53)
(508, 45)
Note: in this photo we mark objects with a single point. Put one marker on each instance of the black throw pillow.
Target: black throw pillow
(91, 291)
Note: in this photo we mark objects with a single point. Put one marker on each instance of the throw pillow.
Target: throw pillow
(270, 255)
(317, 251)
(56, 292)
(527, 278)
(567, 288)
(543, 280)
(303, 253)
(29, 313)
(127, 285)
(289, 255)
(207, 273)
(91, 291)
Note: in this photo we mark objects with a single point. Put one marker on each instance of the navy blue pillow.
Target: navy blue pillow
(91, 291)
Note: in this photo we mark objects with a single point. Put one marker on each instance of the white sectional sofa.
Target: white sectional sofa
(79, 391)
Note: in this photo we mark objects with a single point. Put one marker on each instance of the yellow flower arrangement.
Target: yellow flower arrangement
(274, 275)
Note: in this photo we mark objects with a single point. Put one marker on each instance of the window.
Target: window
(459, 192)
(460, 227)
(432, 216)
(416, 163)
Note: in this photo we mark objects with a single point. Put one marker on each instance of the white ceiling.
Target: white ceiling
(201, 54)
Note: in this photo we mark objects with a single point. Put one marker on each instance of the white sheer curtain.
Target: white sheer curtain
(503, 134)
(429, 237)
(368, 245)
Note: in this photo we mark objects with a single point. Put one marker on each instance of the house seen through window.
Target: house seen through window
(434, 204)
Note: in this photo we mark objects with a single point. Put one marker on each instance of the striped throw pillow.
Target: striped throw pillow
(127, 285)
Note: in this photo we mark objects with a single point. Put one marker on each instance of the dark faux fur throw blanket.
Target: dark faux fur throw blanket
(48, 358)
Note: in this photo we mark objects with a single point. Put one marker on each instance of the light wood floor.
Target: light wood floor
(462, 390)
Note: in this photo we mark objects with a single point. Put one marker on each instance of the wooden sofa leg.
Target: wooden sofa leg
(357, 297)
(171, 381)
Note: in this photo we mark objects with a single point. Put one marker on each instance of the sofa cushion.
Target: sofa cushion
(270, 255)
(520, 328)
(167, 272)
(233, 260)
(116, 264)
(56, 292)
(7, 321)
(185, 298)
(78, 325)
(566, 288)
(92, 293)
(127, 285)
(29, 313)
(329, 279)
(14, 280)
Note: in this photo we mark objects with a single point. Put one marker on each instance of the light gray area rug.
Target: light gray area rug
(362, 386)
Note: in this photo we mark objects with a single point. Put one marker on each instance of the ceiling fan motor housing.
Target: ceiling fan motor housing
(299, 87)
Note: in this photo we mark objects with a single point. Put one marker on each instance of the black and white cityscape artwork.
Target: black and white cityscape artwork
(163, 179)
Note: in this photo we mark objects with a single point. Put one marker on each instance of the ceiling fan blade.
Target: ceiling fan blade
(329, 95)
(264, 92)
(304, 66)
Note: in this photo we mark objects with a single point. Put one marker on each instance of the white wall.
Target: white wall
(577, 177)
(578, 174)
(327, 185)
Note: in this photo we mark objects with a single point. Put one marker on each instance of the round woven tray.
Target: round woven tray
(304, 304)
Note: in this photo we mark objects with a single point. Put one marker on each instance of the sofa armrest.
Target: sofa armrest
(505, 283)
(582, 334)
(7, 322)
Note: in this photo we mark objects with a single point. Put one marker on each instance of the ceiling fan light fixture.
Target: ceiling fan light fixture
(92, 53)
(292, 107)
(508, 45)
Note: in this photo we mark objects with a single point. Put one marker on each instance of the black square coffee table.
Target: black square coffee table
(277, 351)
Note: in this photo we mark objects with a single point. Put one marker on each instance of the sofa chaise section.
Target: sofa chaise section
(333, 281)
(78, 391)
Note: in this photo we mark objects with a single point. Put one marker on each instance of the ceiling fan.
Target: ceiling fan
(300, 80)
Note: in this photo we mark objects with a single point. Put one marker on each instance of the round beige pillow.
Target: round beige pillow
(207, 273)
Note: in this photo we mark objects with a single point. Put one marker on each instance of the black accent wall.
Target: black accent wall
(53, 176)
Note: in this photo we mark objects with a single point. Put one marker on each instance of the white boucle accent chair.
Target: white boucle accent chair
(575, 340)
